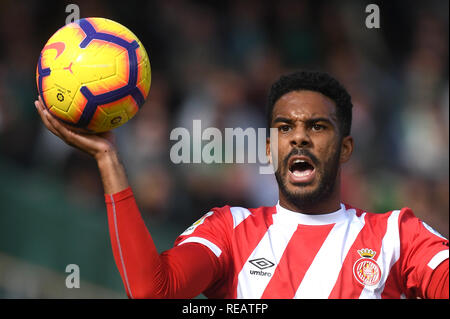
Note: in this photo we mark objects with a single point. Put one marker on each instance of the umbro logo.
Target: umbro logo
(261, 263)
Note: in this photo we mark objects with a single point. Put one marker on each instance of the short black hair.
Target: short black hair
(314, 81)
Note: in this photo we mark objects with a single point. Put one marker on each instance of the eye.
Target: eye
(284, 128)
(317, 127)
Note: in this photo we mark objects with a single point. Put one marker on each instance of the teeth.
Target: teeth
(302, 173)
(299, 161)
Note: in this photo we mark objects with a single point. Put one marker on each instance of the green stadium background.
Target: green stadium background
(215, 61)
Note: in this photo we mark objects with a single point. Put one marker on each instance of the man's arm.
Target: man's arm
(145, 273)
(112, 172)
(100, 146)
(438, 288)
(424, 258)
(181, 272)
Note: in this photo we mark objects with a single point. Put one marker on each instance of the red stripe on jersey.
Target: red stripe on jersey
(243, 245)
(295, 262)
(393, 283)
(419, 244)
(346, 286)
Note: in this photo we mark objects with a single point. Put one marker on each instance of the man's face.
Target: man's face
(309, 147)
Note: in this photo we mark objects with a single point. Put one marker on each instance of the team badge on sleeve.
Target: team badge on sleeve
(366, 269)
(191, 229)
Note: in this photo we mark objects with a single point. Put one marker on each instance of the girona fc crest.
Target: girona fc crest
(366, 269)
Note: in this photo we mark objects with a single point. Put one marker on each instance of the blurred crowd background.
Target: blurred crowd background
(215, 61)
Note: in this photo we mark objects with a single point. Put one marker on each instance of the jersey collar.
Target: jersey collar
(312, 219)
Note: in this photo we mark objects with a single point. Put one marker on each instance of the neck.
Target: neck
(319, 208)
(324, 206)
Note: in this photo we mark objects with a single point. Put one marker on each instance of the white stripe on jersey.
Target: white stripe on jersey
(389, 254)
(239, 215)
(272, 247)
(438, 258)
(213, 247)
(327, 264)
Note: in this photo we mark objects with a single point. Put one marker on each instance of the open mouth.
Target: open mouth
(301, 169)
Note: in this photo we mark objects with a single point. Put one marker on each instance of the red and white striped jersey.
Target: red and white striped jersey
(271, 252)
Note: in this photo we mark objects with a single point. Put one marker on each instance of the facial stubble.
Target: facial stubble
(327, 174)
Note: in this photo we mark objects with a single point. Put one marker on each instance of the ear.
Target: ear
(346, 149)
(268, 152)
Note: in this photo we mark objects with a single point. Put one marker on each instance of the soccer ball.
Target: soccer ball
(93, 74)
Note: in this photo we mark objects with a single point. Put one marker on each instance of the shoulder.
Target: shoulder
(228, 217)
(376, 219)
(216, 227)
(386, 222)
(240, 214)
(232, 216)
(401, 220)
(396, 214)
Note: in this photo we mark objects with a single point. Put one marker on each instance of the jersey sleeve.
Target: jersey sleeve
(438, 288)
(180, 272)
(422, 249)
(213, 231)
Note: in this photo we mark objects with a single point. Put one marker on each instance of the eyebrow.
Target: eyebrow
(319, 119)
(282, 120)
(309, 121)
